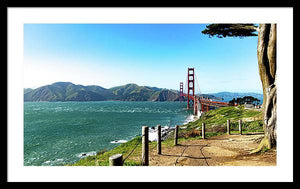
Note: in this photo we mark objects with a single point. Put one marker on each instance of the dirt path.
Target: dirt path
(224, 150)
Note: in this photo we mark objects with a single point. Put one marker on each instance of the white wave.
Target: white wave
(189, 119)
(85, 154)
(164, 131)
(118, 141)
(54, 162)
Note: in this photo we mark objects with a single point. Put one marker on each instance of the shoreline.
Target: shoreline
(166, 130)
(190, 122)
(165, 133)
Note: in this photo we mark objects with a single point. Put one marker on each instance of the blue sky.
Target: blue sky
(157, 55)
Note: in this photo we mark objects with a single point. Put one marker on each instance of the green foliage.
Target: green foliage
(219, 117)
(230, 30)
(102, 157)
(264, 149)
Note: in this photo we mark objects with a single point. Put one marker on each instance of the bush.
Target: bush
(254, 125)
(192, 133)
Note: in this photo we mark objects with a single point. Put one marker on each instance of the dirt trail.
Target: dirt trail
(224, 150)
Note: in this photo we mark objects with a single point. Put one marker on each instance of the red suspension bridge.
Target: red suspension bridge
(198, 103)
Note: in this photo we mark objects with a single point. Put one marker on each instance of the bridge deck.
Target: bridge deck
(207, 101)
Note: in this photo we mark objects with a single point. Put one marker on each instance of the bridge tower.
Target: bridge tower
(195, 106)
(181, 92)
(191, 88)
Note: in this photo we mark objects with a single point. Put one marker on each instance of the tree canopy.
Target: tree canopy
(230, 30)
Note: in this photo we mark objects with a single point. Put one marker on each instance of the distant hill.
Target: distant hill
(227, 96)
(66, 91)
(210, 96)
(26, 90)
(133, 92)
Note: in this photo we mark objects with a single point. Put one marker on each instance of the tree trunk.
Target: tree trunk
(266, 54)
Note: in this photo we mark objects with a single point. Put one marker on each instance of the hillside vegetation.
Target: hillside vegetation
(66, 91)
(215, 125)
(216, 120)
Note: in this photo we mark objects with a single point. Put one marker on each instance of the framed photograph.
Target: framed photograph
(139, 94)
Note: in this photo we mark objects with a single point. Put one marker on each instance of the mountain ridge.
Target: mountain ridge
(67, 91)
(227, 96)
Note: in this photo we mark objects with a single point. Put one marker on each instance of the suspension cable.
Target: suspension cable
(198, 84)
(185, 86)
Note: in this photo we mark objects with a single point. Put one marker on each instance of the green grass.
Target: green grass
(102, 158)
(221, 115)
(212, 118)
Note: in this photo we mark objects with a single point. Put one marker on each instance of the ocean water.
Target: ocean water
(58, 133)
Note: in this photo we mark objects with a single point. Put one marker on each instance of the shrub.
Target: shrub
(192, 133)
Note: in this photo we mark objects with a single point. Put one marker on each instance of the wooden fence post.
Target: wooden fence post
(203, 130)
(240, 126)
(158, 139)
(116, 160)
(176, 135)
(145, 146)
(228, 126)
